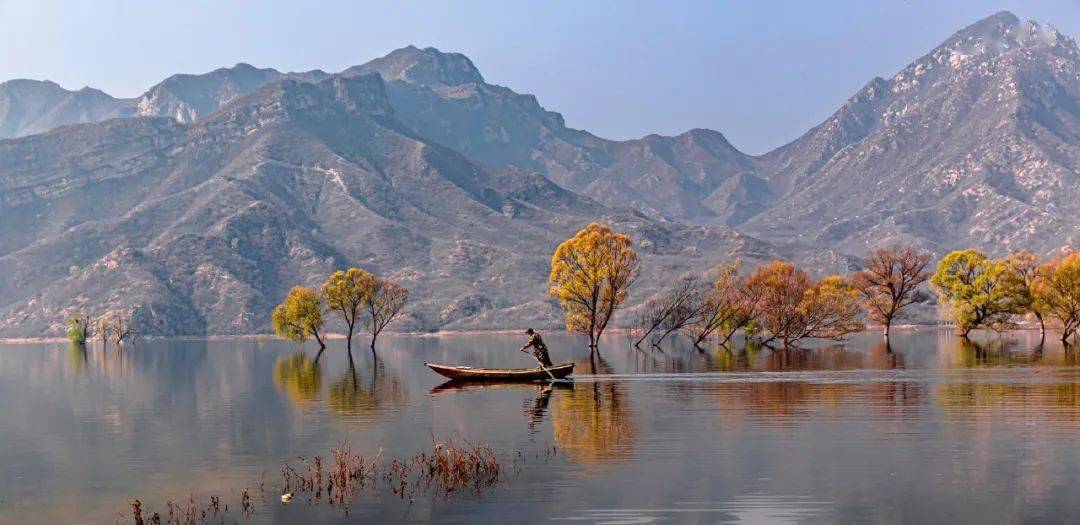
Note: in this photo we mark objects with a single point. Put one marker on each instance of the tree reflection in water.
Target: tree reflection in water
(961, 352)
(359, 396)
(593, 422)
(77, 356)
(299, 377)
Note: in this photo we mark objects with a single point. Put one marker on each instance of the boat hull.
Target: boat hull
(468, 373)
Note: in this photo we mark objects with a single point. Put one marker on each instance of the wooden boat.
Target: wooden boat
(468, 373)
(462, 385)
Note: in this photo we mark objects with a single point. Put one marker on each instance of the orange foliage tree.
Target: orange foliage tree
(792, 306)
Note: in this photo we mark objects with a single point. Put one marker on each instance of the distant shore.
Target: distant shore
(440, 333)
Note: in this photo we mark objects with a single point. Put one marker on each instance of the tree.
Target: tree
(118, 324)
(1026, 265)
(344, 293)
(1056, 291)
(978, 291)
(890, 282)
(104, 329)
(727, 307)
(670, 310)
(300, 315)
(79, 329)
(123, 327)
(793, 306)
(384, 301)
(590, 275)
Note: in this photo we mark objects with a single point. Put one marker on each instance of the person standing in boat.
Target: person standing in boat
(539, 349)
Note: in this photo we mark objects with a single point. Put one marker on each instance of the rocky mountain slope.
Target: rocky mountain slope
(205, 198)
(205, 226)
(974, 144)
(32, 106)
(28, 107)
(444, 97)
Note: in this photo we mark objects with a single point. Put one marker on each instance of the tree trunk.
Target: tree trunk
(888, 328)
(348, 342)
(373, 337)
(322, 345)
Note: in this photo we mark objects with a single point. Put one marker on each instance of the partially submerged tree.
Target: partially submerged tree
(978, 291)
(300, 315)
(384, 301)
(792, 306)
(672, 309)
(1026, 265)
(1056, 290)
(345, 294)
(122, 326)
(727, 307)
(590, 275)
(890, 282)
(79, 329)
(104, 328)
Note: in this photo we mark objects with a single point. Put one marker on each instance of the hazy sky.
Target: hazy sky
(760, 72)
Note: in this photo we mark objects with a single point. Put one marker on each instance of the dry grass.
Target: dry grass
(447, 471)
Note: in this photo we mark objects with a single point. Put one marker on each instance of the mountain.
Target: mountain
(205, 226)
(974, 144)
(444, 97)
(31, 106)
(203, 200)
(188, 98)
(28, 107)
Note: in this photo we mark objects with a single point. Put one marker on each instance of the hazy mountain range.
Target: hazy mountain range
(204, 199)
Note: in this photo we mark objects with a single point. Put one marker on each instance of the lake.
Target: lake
(929, 429)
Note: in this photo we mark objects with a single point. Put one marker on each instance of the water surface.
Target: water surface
(928, 429)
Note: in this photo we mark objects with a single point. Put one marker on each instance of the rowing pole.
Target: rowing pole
(542, 367)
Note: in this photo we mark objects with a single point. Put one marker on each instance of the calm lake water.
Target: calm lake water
(929, 430)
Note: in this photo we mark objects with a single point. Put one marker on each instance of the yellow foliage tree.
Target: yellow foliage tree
(1056, 292)
(300, 315)
(345, 293)
(1026, 265)
(978, 291)
(590, 275)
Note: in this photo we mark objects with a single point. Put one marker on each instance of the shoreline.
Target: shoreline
(440, 333)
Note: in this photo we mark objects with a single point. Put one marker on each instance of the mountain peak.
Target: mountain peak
(1001, 32)
(994, 22)
(427, 66)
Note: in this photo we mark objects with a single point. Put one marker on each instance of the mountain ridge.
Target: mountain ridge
(208, 224)
(222, 195)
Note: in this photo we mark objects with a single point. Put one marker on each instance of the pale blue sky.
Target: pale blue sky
(760, 72)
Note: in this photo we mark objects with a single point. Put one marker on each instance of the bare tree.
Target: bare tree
(890, 282)
(121, 326)
(671, 310)
(729, 305)
(384, 302)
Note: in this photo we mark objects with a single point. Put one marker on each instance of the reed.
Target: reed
(448, 470)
